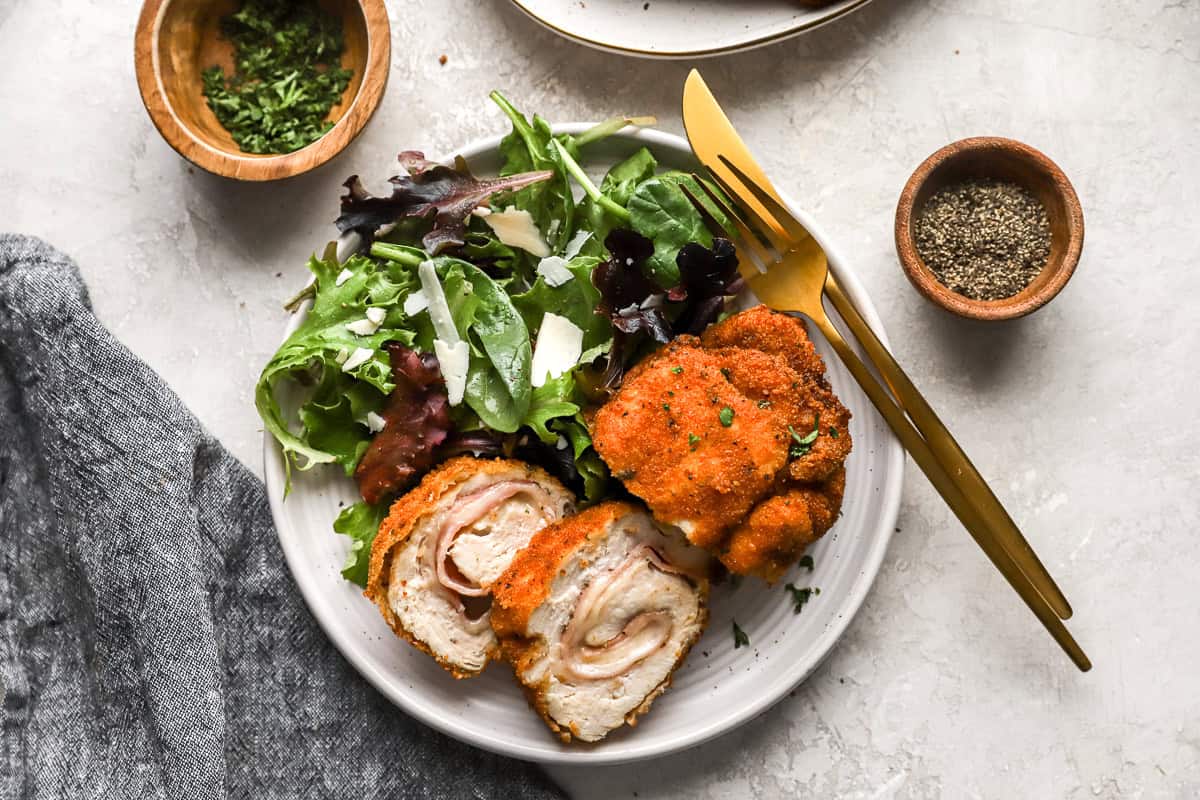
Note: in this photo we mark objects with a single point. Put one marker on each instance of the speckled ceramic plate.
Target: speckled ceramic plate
(718, 688)
(681, 28)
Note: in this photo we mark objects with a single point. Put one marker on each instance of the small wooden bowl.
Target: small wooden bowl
(1008, 160)
(177, 39)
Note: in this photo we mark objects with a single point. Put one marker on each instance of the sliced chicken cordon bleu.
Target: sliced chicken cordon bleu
(444, 544)
(597, 613)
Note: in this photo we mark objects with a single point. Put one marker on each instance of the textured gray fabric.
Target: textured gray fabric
(152, 643)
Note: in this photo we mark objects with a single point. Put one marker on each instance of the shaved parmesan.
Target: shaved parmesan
(360, 356)
(341, 356)
(362, 327)
(453, 360)
(576, 244)
(342, 277)
(376, 314)
(554, 270)
(439, 309)
(375, 422)
(559, 345)
(416, 302)
(516, 228)
(453, 354)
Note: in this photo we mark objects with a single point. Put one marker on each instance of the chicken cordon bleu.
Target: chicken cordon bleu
(596, 614)
(734, 437)
(444, 544)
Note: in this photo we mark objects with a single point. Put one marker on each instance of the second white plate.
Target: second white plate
(719, 687)
(681, 28)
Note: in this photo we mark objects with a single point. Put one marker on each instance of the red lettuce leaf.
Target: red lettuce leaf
(429, 190)
(629, 299)
(707, 278)
(418, 421)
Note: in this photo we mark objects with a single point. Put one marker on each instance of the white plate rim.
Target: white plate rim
(738, 46)
(349, 645)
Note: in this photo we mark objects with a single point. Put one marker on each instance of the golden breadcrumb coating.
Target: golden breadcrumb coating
(715, 435)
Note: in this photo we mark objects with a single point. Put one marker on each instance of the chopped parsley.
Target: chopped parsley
(726, 373)
(833, 431)
(726, 416)
(676, 370)
(288, 75)
(807, 563)
(740, 639)
(801, 596)
(803, 444)
(666, 406)
(693, 440)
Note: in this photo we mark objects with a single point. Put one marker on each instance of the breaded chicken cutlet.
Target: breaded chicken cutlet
(597, 613)
(734, 437)
(444, 544)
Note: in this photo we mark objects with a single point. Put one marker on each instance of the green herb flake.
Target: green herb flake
(288, 75)
(666, 406)
(803, 444)
(801, 596)
(727, 374)
(740, 639)
(726, 416)
(833, 431)
(676, 370)
(807, 563)
(693, 440)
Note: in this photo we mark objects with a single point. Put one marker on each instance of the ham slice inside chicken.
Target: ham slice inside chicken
(593, 647)
(467, 510)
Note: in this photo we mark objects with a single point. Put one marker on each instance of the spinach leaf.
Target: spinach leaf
(661, 212)
(498, 379)
(361, 523)
(626, 176)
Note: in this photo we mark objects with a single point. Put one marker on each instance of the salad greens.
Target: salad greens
(421, 346)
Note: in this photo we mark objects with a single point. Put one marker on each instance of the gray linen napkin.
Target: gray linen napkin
(152, 643)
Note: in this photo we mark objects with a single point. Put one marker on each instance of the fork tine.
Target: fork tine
(763, 231)
(782, 216)
(749, 264)
(761, 251)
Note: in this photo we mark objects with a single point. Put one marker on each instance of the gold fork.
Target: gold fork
(790, 283)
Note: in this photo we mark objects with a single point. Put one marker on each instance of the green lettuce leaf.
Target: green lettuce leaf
(361, 523)
(552, 400)
(576, 300)
(312, 356)
(528, 148)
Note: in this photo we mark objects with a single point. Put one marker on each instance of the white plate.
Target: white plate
(718, 688)
(680, 28)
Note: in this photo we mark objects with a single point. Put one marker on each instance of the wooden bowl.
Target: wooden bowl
(177, 39)
(1008, 160)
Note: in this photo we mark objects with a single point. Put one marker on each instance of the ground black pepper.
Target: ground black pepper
(985, 239)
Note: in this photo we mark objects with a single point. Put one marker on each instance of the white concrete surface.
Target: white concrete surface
(1082, 414)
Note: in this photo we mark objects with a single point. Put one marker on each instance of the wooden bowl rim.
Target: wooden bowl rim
(1024, 302)
(249, 167)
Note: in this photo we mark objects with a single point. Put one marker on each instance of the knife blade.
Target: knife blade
(712, 135)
